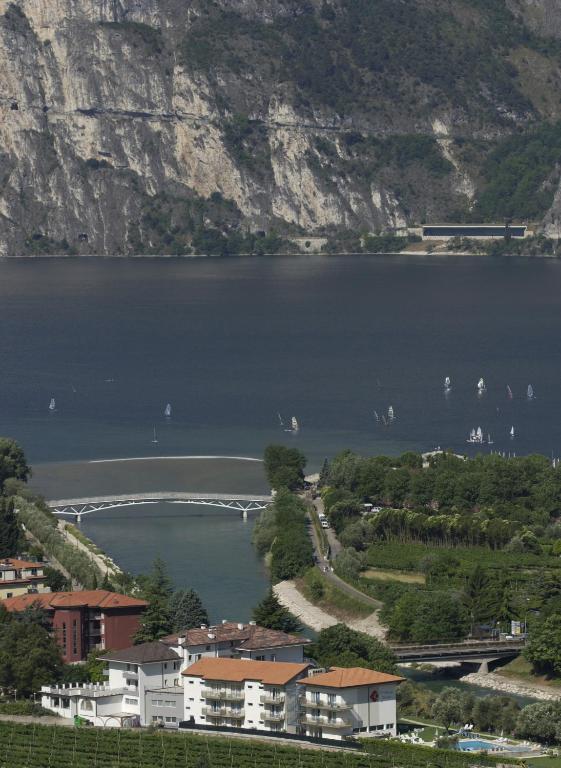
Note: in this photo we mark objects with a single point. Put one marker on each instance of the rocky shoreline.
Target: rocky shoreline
(516, 688)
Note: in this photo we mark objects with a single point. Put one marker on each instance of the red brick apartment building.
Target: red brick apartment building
(86, 621)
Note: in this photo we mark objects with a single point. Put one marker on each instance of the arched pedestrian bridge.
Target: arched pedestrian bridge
(86, 506)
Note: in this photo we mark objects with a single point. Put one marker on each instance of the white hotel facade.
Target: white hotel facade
(232, 676)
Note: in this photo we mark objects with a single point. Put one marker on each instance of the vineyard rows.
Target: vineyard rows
(37, 746)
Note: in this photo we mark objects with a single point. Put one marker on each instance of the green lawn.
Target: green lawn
(333, 601)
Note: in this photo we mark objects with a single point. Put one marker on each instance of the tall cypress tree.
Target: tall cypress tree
(10, 529)
(156, 590)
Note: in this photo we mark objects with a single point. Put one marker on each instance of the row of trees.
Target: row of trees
(490, 714)
(525, 489)
(282, 535)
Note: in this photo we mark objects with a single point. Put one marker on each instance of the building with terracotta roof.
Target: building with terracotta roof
(86, 620)
(342, 702)
(239, 641)
(240, 693)
(21, 577)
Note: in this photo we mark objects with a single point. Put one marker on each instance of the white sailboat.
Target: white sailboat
(447, 384)
(281, 422)
(376, 416)
(530, 392)
(52, 405)
(489, 441)
(294, 424)
(391, 413)
(155, 439)
(167, 412)
(512, 433)
(481, 387)
(509, 392)
(479, 435)
(472, 437)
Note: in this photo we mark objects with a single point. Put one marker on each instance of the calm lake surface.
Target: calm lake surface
(231, 342)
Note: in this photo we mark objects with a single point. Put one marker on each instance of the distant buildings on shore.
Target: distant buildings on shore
(21, 577)
(237, 676)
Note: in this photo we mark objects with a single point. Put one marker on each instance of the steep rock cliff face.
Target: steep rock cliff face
(130, 125)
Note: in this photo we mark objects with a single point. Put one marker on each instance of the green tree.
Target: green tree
(11, 536)
(156, 589)
(343, 647)
(271, 614)
(187, 610)
(284, 467)
(324, 474)
(543, 649)
(13, 463)
(55, 580)
(29, 657)
(95, 666)
(540, 722)
(448, 708)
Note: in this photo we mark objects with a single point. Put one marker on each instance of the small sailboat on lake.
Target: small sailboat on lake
(447, 384)
(391, 413)
(52, 405)
(512, 433)
(530, 392)
(376, 416)
(167, 412)
(481, 386)
(509, 392)
(155, 438)
(294, 424)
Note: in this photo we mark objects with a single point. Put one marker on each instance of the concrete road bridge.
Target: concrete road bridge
(480, 652)
(86, 506)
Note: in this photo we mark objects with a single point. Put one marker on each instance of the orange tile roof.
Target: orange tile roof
(93, 598)
(351, 677)
(239, 670)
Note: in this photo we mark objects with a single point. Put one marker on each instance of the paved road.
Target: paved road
(325, 566)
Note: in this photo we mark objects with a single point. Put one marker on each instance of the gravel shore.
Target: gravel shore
(316, 618)
(518, 688)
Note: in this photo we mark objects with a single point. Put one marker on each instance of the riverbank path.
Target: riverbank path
(324, 564)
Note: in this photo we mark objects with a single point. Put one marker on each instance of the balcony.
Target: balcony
(269, 698)
(235, 714)
(325, 722)
(338, 706)
(272, 717)
(219, 694)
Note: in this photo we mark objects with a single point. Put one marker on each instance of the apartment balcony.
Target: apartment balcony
(325, 722)
(272, 717)
(235, 714)
(268, 698)
(218, 694)
(339, 706)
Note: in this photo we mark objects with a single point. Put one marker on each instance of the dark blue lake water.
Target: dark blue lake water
(231, 342)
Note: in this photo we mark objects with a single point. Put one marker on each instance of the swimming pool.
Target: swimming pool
(478, 745)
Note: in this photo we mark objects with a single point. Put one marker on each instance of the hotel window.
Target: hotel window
(389, 725)
(331, 699)
(171, 719)
(86, 706)
(74, 637)
(316, 698)
(132, 702)
(64, 633)
(171, 703)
